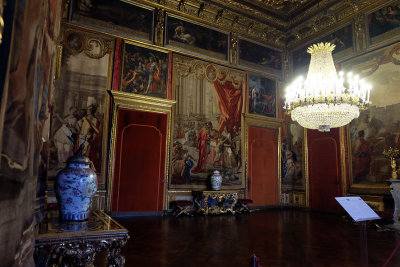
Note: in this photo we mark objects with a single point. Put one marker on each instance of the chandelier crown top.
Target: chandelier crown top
(321, 47)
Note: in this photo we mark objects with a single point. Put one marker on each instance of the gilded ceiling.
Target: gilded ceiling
(278, 23)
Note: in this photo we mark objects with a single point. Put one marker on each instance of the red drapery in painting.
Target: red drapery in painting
(230, 104)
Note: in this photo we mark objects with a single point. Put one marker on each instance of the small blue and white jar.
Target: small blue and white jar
(216, 181)
(75, 187)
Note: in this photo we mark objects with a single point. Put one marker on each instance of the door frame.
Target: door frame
(121, 100)
(259, 121)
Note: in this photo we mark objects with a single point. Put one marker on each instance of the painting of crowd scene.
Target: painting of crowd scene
(292, 156)
(383, 20)
(196, 38)
(342, 39)
(78, 110)
(145, 71)
(377, 128)
(264, 57)
(207, 127)
(262, 95)
(115, 15)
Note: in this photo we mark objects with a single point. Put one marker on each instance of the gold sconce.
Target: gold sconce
(392, 153)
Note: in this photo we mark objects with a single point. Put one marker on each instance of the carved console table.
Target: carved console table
(75, 243)
(215, 202)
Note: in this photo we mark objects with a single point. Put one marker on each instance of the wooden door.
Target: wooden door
(325, 181)
(263, 166)
(139, 161)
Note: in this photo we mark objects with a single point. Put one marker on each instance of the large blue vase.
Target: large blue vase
(75, 187)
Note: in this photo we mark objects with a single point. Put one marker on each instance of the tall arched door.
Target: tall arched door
(263, 166)
(140, 154)
(325, 179)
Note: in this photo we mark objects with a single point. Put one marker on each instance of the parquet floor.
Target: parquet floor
(277, 237)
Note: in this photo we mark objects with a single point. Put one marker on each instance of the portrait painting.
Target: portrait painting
(262, 95)
(292, 157)
(378, 127)
(79, 105)
(145, 71)
(196, 38)
(120, 17)
(384, 22)
(259, 56)
(207, 126)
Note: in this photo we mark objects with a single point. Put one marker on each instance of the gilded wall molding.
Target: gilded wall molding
(159, 27)
(218, 15)
(233, 49)
(92, 45)
(210, 71)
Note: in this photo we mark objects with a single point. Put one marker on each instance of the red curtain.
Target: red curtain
(230, 104)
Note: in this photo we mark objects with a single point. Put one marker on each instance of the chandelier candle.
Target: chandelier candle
(322, 101)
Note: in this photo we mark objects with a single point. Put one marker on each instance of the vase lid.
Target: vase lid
(216, 172)
(78, 159)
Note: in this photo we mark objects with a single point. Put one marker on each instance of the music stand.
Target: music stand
(360, 212)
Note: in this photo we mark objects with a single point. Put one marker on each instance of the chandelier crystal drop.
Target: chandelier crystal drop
(325, 99)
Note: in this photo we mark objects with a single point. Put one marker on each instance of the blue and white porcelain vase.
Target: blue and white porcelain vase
(75, 187)
(216, 181)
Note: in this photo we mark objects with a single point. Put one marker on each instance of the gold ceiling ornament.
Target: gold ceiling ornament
(280, 4)
(322, 101)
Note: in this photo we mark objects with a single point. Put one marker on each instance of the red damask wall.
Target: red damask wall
(324, 169)
(263, 166)
(139, 161)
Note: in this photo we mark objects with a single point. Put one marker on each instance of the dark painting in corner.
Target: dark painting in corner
(116, 16)
(262, 95)
(145, 71)
(342, 39)
(258, 56)
(382, 21)
(196, 38)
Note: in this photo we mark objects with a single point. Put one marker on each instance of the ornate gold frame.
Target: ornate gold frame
(106, 47)
(122, 100)
(151, 47)
(195, 51)
(193, 67)
(381, 40)
(369, 62)
(268, 71)
(113, 30)
(277, 89)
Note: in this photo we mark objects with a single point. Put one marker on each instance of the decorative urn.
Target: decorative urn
(75, 187)
(216, 181)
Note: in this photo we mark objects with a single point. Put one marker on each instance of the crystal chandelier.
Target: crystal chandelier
(322, 101)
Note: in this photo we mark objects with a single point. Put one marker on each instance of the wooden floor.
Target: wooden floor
(278, 237)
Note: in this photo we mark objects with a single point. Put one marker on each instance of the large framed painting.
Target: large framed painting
(122, 17)
(378, 127)
(207, 127)
(383, 24)
(262, 95)
(342, 39)
(260, 57)
(145, 70)
(197, 38)
(292, 157)
(79, 101)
